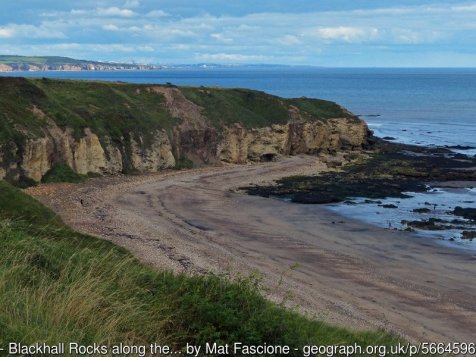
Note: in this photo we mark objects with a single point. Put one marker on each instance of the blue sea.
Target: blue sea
(423, 106)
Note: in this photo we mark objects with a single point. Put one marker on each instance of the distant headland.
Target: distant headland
(56, 63)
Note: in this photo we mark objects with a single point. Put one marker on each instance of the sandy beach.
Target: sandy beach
(343, 271)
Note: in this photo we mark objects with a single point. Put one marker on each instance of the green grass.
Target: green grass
(110, 109)
(116, 110)
(57, 285)
(229, 106)
(256, 109)
(61, 172)
(183, 163)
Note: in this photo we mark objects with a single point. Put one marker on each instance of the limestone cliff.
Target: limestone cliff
(193, 135)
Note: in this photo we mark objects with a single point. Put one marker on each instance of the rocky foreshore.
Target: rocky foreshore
(392, 171)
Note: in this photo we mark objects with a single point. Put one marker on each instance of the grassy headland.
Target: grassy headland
(118, 109)
(40, 60)
(22, 63)
(57, 285)
(47, 122)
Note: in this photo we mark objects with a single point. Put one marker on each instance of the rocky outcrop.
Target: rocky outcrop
(156, 157)
(84, 155)
(239, 145)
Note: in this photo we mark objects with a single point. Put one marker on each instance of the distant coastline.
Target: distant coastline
(14, 63)
(55, 63)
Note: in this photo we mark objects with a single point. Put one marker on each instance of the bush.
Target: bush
(62, 173)
(183, 163)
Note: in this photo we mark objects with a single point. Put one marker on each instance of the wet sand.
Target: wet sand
(345, 272)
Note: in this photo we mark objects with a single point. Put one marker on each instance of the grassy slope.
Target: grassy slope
(111, 109)
(116, 109)
(256, 109)
(58, 285)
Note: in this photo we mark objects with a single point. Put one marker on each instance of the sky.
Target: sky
(333, 33)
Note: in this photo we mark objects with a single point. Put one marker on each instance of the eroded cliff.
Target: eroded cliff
(108, 128)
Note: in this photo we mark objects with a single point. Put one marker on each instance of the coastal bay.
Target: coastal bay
(345, 271)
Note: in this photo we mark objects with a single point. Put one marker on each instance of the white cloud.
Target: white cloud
(227, 57)
(168, 31)
(110, 27)
(345, 33)
(220, 37)
(268, 36)
(115, 11)
(77, 12)
(157, 13)
(145, 48)
(464, 8)
(29, 31)
(132, 3)
(409, 36)
(6, 32)
(103, 48)
(289, 40)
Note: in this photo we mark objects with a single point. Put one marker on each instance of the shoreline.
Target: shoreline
(348, 273)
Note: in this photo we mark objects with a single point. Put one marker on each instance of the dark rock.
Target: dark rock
(373, 201)
(460, 222)
(428, 225)
(422, 210)
(389, 138)
(460, 147)
(393, 170)
(389, 206)
(468, 213)
(314, 198)
(468, 235)
(460, 156)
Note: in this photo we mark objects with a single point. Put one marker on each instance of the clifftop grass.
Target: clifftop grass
(255, 108)
(57, 285)
(117, 109)
(109, 109)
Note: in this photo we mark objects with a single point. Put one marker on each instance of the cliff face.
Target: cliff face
(192, 137)
(239, 145)
(85, 155)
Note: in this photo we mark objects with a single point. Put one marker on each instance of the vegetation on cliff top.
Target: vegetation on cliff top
(257, 109)
(109, 109)
(57, 285)
(116, 110)
(61, 172)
